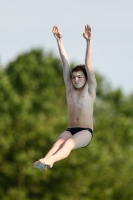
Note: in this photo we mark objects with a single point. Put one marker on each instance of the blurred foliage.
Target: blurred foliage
(33, 112)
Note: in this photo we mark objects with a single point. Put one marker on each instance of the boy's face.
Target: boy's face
(78, 79)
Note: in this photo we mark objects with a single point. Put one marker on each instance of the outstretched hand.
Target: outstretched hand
(88, 32)
(56, 32)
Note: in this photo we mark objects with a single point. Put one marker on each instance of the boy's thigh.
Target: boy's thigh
(64, 136)
(82, 138)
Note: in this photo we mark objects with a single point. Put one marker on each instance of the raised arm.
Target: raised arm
(88, 58)
(63, 55)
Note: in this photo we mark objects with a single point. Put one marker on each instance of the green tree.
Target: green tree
(33, 112)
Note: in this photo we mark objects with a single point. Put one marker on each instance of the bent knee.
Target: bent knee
(70, 143)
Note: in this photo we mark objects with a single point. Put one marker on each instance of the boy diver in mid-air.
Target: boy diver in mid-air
(80, 93)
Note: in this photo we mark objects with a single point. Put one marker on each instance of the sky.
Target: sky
(27, 24)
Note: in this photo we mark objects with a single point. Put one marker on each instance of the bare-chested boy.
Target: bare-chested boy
(80, 93)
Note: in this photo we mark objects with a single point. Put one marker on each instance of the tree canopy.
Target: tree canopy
(33, 112)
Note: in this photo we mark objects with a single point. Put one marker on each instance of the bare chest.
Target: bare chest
(77, 98)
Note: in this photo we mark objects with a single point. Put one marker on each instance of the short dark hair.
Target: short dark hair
(80, 68)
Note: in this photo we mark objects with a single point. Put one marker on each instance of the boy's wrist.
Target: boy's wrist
(88, 40)
(59, 40)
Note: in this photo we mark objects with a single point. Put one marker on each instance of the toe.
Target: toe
(42, 161)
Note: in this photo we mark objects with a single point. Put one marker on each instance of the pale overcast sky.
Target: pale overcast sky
(27, 24)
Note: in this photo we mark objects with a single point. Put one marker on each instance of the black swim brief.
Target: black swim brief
(77, 129)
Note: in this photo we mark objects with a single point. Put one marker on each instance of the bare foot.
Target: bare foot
(47, 161)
